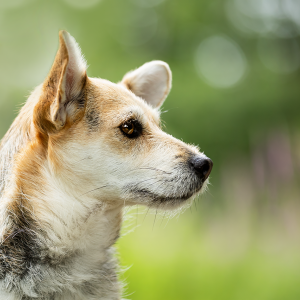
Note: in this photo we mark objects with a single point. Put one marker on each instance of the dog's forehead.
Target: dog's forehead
(117, 102)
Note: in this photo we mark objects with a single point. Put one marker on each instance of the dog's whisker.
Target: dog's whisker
(145, 180)
(162, 219)
(146, 214)
(135, 185)
(196, 205)
(154, 220)
(148, 168)
(101, 187)
(154, 169)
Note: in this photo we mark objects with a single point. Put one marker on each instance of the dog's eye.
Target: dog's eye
(128, 128)
(131, 129)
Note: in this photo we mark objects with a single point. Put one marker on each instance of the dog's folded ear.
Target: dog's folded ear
(151, 82)
(63, 96)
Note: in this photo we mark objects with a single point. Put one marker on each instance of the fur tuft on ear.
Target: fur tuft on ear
(152, 82)
(62, 98)
(76, 67)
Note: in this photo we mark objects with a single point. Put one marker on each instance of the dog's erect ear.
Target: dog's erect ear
(151, 81)
(63, 91)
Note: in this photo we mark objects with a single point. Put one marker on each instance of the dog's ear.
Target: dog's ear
(151, 81)
(63, 96)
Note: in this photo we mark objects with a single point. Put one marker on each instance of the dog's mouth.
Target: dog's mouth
(172, 189)
(147, 196)
(156, 198)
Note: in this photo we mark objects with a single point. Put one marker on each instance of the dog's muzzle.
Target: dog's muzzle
(186, 181)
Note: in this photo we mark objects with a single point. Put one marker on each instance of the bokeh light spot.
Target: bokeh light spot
(279, 18)
(220, 61)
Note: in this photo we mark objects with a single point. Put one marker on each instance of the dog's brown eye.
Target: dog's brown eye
(131, 129)
(127, 128)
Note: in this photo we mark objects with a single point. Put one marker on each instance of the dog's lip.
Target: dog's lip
(156, 198)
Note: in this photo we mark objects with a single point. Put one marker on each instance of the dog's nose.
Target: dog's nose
(202, 166)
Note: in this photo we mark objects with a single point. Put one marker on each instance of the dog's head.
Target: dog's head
(105, 139)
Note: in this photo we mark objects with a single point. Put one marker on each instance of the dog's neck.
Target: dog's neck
(80, 221)
(74, 221)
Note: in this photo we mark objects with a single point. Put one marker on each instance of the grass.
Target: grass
(233, 256)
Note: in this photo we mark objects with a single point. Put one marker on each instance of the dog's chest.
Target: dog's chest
(82, 266)
(91, 271)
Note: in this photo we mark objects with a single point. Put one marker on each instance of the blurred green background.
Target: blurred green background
(236, 84)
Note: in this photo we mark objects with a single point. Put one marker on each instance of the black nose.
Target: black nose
(202, 166)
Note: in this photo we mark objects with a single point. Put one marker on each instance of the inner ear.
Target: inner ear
(152, 82)
(63, 96)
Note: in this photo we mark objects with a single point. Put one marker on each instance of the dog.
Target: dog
(80, 150)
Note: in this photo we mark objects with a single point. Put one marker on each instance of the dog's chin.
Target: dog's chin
(170, 201)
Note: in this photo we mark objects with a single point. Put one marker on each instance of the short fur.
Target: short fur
(67, 170)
